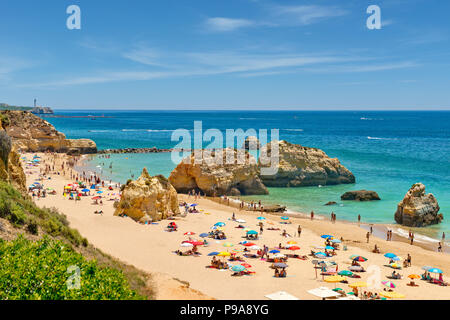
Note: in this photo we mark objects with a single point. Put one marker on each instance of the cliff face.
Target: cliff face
(149, 199)
(302, 166)
(42, 110)
(33, 134)
(218, 178)
(418, 209)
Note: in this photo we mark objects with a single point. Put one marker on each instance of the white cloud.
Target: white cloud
(305, 15)
(364, 67)
(219, 24)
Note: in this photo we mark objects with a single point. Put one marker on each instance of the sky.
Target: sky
(226, 54)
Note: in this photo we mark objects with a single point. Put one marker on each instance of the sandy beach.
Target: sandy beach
(150, 248)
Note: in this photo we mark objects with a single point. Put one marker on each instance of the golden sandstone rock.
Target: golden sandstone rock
(216, 178)
(148, 199)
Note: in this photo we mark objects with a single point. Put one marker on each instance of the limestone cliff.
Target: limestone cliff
(30, 133)
(418, 209)
(300, 166)
(213, 175)
(148, 199)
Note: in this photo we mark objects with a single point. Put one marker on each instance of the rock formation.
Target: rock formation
(148, 199)
(42, 110)
(418, 209)
(302, 166)
(251, 143)
(11, 170)
(30, 133)
(360, 195)
(213, 177)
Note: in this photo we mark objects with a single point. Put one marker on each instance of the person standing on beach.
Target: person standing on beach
(368, 236)
(371, 229)
(299, 231)
(412, 238)
(359, 218)
(408, 260)
(440, 247)
(312, 215)
(443, 236)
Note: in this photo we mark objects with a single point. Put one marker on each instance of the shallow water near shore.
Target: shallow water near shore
(386, 151)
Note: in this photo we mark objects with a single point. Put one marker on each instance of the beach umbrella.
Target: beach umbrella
(326, 236)
(195, 243)
(186, 244)
(355, 268)
(345, 273)
(255, 247)
(426, 268)
(390, 255)
(228, 244)
(246, 265)
(435, 270)
(280, 265)
(279, 255)
(252, 232)
(248, 244)
(85, 190)
(238, 268)
(414, 276)
(359, 284)
(395, 265)
(392, 295)
(96, 198)
(336, 241)
(396, 258)
(219, 224)
(292, 242)
(203, 235)
(359, 259)
(224, 254)
(189, 233)
(330, 248)
(213, 253)
(261, 218)
(240, 220)
(321, 255)
(293, 248)
(284, 218)
(194, 205)
(274, 251)
(334, 279)
(388, 284)
(99, 191)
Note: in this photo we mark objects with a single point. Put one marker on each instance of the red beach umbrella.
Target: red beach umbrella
(249, 244)
(246, 265)
(190, 233)
(294, 248)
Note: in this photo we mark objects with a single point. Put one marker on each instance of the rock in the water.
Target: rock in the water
(251, 143)
(331, 203)
(360, 195)
(149, 199)
(418, 209)
(302, 166)
(217, 178)
(31, 133)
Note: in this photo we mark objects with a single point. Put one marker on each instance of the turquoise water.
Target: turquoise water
(386, 151)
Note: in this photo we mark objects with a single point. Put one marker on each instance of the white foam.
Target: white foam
(417, 237)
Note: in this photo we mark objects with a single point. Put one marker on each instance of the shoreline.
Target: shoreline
(379, 229)
(150, 248)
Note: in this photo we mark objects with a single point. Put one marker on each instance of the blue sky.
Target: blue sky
(230, 54)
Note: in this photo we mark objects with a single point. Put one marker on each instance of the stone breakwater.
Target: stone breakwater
(140, 150)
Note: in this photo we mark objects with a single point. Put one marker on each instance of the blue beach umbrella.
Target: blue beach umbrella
(194, 205)
(396, 258)
(219, 224)
(261, 218)
(213, 253)
(252, 232)
(326, 236)
(285, 218)
(426, 268)
(336, 241)
(238, 268)
(85, 190)
(330, 248)
(274, 251)
(321, 255)
(203, 235)
(100, 191)
(435, 270)
(390, 255)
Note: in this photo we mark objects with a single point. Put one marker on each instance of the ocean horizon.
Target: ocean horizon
(387, 151)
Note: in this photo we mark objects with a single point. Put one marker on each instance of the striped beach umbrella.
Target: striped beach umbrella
(389, 284)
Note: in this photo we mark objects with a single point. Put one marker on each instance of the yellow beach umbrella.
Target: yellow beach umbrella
(207, 213)
(333, 279)
(228, 244)
(414, 276)
(292, 242)
(392, 295)
(357, 284)
(224, 254)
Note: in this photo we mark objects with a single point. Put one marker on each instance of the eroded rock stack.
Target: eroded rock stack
(213, 175)
(418, 209)
(148, 199)
(302, 166)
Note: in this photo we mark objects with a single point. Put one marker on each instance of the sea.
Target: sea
(387, 151)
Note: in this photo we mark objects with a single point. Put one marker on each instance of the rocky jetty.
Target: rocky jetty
(331, 203)
(42, 110)
(148, 199)
(360, 195)
(302, 166)
(30, 133)
(216, 178)
(418, 209)
(251, 143)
